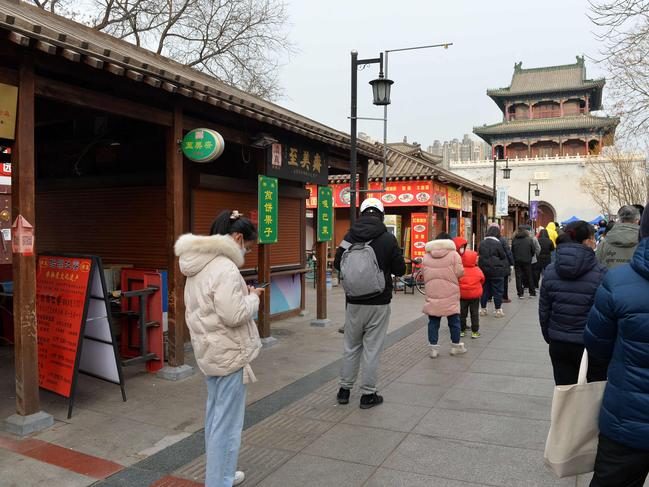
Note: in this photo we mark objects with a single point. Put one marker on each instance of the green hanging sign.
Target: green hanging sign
(202, 145)
(325, 214)
(268, 202)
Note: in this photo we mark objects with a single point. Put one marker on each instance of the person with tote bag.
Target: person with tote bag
(618, 330)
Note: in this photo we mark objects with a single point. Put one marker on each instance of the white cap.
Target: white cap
(372, 203)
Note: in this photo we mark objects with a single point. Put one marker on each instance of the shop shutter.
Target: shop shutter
(207, 204)
(121, 225)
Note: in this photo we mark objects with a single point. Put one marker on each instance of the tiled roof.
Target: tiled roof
(31, 27)
(579, 122)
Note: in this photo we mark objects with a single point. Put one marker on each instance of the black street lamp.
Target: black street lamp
(507, 172)
(537, 192)
(381, 92)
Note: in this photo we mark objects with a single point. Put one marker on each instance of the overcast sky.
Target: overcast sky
(437, 94)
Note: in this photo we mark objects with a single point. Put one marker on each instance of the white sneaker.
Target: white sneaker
(434, 351)
(239, 477)
(458, 348)
(499, 313)
(483, 311)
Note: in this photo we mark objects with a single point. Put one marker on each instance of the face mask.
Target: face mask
(462, 251)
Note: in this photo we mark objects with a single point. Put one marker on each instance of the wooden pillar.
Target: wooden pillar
(321, 256)
(24, 267)
(175, 228)
(431, 223)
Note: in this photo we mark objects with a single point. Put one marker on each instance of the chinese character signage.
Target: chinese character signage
(296, 163)
(454, 198)
(325, 214)
(312, 200)
(410, 193)
(502, 201)
(440, 195)
(534, 210)
(419, 235)
(268, 202)
(202, 145)
(467, 201)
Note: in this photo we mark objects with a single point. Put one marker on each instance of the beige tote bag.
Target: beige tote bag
(571, 446)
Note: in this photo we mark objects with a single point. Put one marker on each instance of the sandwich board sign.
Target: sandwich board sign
(74, 325)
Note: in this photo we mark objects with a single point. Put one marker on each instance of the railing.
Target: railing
(539, 113)
(556, 158)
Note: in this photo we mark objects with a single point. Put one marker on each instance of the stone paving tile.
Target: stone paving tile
(502, 367)
(385, 477)
(389, 416)
(508, 384)
(519, 343)
(539, 357)
(496, 403)
(473, 462)
(305, 470)
(369, 446)
(284, 432)
(317, 406)
(413, 394)
(487, 428)
(20, 471)
(446, 363)
(427, 377)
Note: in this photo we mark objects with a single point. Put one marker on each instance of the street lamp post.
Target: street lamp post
(506, 175)
(537, 192)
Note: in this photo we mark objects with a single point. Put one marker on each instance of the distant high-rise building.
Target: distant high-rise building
(468, 149)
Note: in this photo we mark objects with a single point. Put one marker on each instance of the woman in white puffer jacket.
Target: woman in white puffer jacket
(220, 310)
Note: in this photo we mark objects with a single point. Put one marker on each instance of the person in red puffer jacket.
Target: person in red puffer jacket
(470, 288)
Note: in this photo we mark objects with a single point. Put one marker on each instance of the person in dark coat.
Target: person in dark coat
(524, 252)
(567, 295)
(494, 264)
(618, 331)
(547, 247)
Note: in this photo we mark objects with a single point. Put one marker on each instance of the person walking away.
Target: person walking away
(442, 269)
(493, 262)
(220, 310)
(470, 293)
(366, 259)
(553, 229)
(510, 258)
(547, 247)
(536, 267)
(620, 243)
(617, 330)
(601, 230)
(523, 250)
(567, 295)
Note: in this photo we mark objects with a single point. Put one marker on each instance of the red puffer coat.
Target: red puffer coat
(473, 279)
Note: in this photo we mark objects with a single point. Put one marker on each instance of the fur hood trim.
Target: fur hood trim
(198, 247)
(440, 244)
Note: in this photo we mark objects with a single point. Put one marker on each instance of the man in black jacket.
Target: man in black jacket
(366, 320)
(524, 252)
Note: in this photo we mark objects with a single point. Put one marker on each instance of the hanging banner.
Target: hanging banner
(534, 210)
(268, 203)
(289, 161)
(409, 193)
(467, 201)
(440, 197)
(502, 201)
(454, 198)
(312, 200)
(419, 235)
(325, 214)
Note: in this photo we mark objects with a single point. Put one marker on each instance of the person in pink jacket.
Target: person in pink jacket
(442, 271)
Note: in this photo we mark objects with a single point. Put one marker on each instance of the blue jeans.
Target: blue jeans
(493, 288)
(226, 403)
(453, 326)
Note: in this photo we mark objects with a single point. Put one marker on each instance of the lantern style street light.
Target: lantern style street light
(381, 89)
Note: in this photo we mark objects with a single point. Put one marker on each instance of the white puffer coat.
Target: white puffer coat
(219, 307)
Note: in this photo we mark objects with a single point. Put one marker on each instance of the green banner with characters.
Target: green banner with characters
(268, 203)
(325, 214)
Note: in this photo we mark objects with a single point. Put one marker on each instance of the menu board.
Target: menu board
(408, 193)
(439, 195)
(61, 288)
(419, 235)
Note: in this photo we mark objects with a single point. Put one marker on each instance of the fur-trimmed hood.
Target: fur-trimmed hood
(196, 251)
(443, 244)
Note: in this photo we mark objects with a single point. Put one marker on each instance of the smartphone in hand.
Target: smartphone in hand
(263, 285)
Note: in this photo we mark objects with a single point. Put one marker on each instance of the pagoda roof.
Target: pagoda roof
(550, 79)
(538, 125)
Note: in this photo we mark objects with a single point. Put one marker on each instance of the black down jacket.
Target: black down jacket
(492, 258)
(568, 293)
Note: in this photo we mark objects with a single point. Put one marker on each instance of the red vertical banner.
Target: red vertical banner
(419, 234)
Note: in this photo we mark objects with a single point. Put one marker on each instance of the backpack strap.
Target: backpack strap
(345, 244)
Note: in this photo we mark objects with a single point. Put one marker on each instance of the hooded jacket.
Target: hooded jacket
(553, 232)
(568, 292)
(523, 247)
(618, 246)
(492, 258)
(219, 308)
(460, 243)
(547, 247)
(388, 254)
(618, 330)
(442, 271)
(473, 279)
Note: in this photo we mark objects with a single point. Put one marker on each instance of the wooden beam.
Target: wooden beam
(229, 134)
(46, 47)
(19, 39)
(134, 75)
(175, 228)
(115, 69)
(151, 81)
(70, 55)
(75, 95)
(24, 267)
(93, 62)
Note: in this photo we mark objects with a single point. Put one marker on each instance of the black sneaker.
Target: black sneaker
(370, 400)
(343, 396)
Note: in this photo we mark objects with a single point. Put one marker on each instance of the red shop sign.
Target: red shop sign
(312, 200)
(419, 232)
(407, 193)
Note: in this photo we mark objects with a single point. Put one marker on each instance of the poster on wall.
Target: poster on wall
(440, 197)
(409, 193)
(418, 235)
(454, 198)
(467, 201)
(502, 201)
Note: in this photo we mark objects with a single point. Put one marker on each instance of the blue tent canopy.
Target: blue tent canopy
(597, 220)
(573, 218)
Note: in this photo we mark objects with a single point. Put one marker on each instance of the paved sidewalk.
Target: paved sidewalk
(477, 419)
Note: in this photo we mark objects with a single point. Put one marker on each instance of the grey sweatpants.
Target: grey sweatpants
(365, 329)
